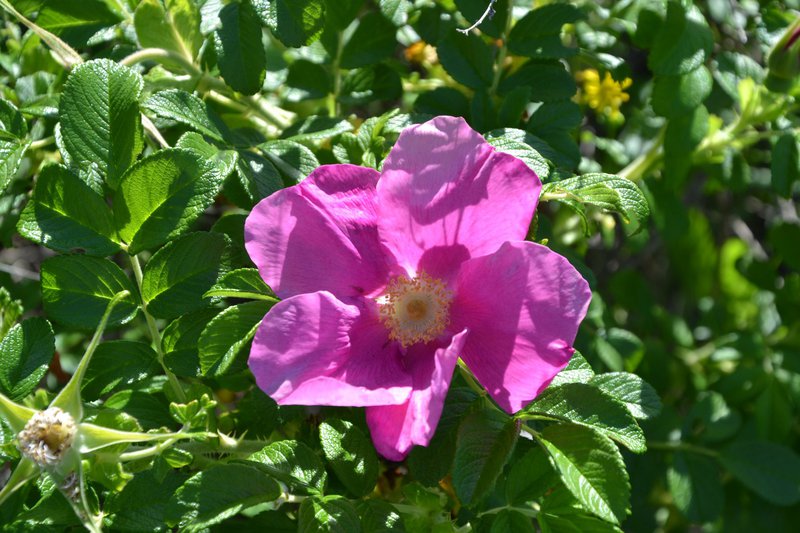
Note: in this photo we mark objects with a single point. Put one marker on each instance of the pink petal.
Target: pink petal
(396, 428)
(320, 235)
(522, 306)
(312, 349)
(446, 195)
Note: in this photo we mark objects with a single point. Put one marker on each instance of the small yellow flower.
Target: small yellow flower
(604, 96)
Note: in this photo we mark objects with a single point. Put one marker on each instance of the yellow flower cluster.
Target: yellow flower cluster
(604, 96)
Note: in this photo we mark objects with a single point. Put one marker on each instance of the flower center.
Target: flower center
(415, 309)
(47, 436)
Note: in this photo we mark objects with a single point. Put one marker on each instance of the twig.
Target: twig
(486, 14)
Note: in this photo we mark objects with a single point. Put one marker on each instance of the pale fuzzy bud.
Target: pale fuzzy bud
(47, 436)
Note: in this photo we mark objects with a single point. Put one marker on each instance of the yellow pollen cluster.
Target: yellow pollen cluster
(416, 309)
(606, 95)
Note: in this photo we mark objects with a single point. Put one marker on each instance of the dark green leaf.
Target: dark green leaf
(372, 41)
(530, 477)
(548, 82)
(538, 34)
(350, 454)
(638, 396)
(241, 283)
(293, 463)
(187, 109)
(65, 215)
(586, 405)
(467, 59)
(174, 26)
(485, 441)
(294, 22)
(25, 353)
(379, 516)
(307, 81)
(11, 153)
(328, 514)
(117, 364)
(510, 521)
(578, 370)
(225, 338)
(683, 42)
(592, 469)
(504, 142)
(785, 164)
(294, 160)
(179, 342)
(162, 195)
(99, 113)
(770, 470)
(676, 95)
(76, 290)
(141, 505)
(695, 485)
(240, 53)
(178, 274)
(200, 503)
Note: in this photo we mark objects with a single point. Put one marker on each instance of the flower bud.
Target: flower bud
(784, 61)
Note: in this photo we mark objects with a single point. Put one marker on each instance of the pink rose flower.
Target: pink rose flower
(388, 278)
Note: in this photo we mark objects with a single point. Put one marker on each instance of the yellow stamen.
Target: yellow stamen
(415, 309)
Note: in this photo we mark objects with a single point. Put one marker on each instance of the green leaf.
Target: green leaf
(200, 503)
(294, 160)
(682, 136)
(65, 215)
(785, 164)
(328, 514)
(373, 82)
(223, 160)
(770, 470)
(372, 41)
(178, 274)
(179, 342)
(76, 290)
(187, 109)
(241, 283)
(592, 469)
(240, 54)
(351, 455)
(316, 129)
(538, 34)
(174, 26)
(639, 397)
(257, 175)
(683, 42)
(589, 406)
(442, 101)
(578, 370)
(548, 82)
(141, 504)
(161, 195)
(676, 95)
(695, 485)
(504, 142)
(99, 114)
(226, 337)
(75, 22)
(294, 463)
(485, 441)
(12, 123)
(11, 153)
(395, 10)
(295, 23)
(25, 353)
(606, 191)
(530, 477)
(619, 349)
(118, 364)
(510, 521)
(467, 59)
(307, 81)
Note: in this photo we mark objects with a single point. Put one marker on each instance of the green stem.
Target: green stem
(501, 55)
(154, 333)
(467, 375)
(645, 163)
(334, 107)
(682, 447)
(41, 143)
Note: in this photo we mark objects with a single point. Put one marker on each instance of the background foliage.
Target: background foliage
(136, 135)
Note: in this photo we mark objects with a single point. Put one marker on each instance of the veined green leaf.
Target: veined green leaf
(294, 463)
(226, 336)
(242, 283)
(188, 109)
(240, 53)
(25, 353)
(351, 455)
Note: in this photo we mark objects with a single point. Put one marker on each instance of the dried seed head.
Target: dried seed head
(47, 436)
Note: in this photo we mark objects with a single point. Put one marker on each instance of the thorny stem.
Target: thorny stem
(155, 335)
